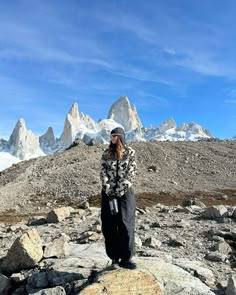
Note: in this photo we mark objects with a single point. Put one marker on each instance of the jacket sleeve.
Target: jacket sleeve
(104, 177)
(128, 180)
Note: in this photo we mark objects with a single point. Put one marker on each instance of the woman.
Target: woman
(118, 169)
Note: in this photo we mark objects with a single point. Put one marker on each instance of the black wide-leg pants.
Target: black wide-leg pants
(118, 230)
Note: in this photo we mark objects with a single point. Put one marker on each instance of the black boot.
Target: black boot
(126, 263)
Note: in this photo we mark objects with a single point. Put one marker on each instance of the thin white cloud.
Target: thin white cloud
(195, 45)
(231, 96)
(231, 93)
(145, 102)
(140, 74)
(230, 101)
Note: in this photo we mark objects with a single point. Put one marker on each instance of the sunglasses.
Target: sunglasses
(114, 135)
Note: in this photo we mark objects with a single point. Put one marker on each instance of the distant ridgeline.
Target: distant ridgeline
(24, 144)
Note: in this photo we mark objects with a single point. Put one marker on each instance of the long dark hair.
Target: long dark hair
(116, 150)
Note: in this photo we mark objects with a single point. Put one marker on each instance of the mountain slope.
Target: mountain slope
(73, 175)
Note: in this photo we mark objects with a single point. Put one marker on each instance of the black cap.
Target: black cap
(120, 133)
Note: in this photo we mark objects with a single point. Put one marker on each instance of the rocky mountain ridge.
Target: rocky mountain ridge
(24, 144)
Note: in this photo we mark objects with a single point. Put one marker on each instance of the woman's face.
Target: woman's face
(114, 139)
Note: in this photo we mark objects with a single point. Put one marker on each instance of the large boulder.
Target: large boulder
(173, 279)
(58, 214)
(58, 248)
(25, 253)
(124, 282)
(215, 212)
(153, 276)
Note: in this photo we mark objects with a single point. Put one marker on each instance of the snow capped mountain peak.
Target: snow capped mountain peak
(19, 129)
(123, 113)
(24, 143)
(47, 141)
(87, 121)
(74, 111)
(166, 125)
(20, 124)
(71, 125)
(194, 128)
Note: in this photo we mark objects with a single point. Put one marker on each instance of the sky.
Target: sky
(172, 59)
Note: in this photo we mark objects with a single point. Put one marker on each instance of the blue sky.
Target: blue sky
(171, 58)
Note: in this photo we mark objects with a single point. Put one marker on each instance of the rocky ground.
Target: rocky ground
(184, 245)
(189, 249)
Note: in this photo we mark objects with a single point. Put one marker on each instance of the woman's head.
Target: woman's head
(117, 142)
(118, 134)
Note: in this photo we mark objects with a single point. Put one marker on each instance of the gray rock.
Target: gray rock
(19, 291)
(84, 205)
(223, 247)
(21, 226)
(234, 214)
(198, 269)
(173, 279)
(199, 204)
(62, 276)
(88, 255)
(51, 291)
(183, 224)
(59, 214)
(177, 242)
(194, 209)
(215, 212)
(181, 209)
(5, 284)
(152, 243)
(145, 227)
(58, 248)
(155, 253)
(231, 286)
(216, 239)
(223, 284)
(96, 228)
(224, 197)
(89, 236)
(37, 220)
(38, 280)
(193, 202)
(216, 257)
(25, 253)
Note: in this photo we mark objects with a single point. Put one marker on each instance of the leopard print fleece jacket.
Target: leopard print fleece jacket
(124, 169)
